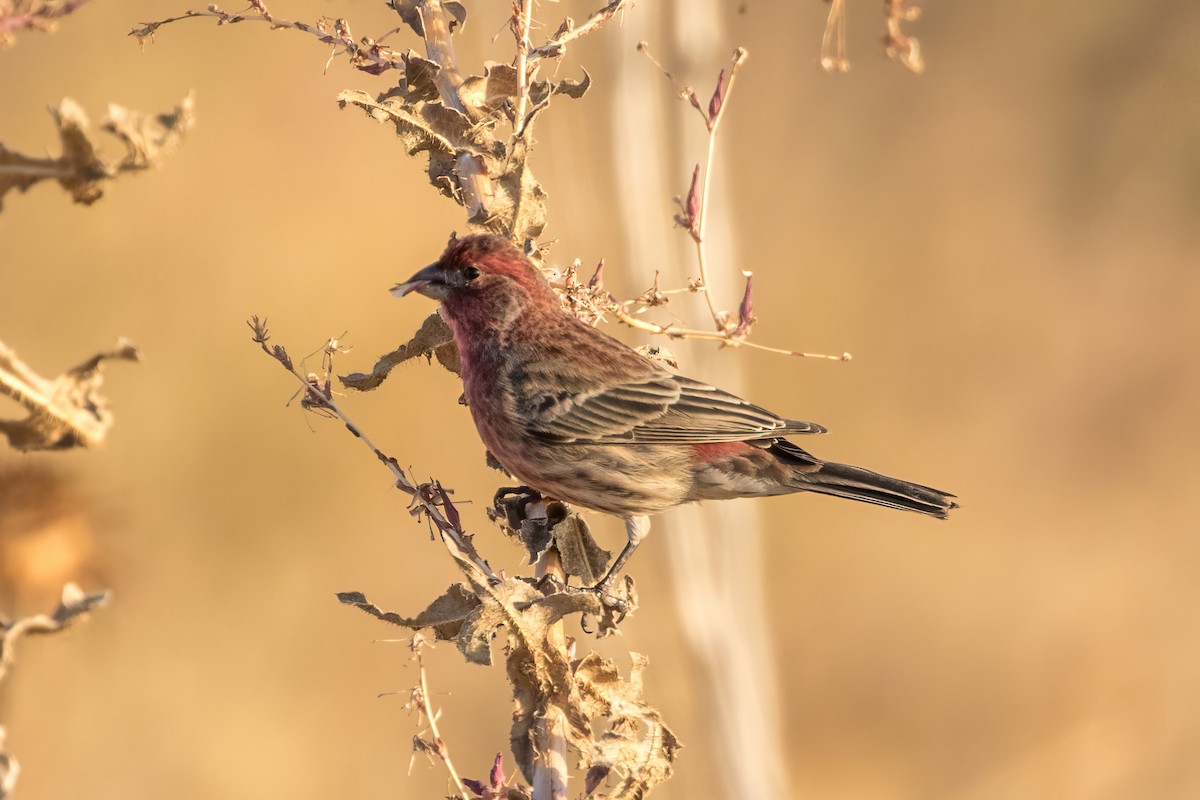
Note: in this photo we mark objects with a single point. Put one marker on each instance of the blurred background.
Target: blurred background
(1007, 244)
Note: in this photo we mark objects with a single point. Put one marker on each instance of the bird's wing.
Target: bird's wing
(656, 408)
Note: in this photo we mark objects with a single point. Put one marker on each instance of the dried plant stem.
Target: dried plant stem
(472, 173)
(833, 40)
(716, 336)
(431, 498)
(702, 223)
(550, 731)
(440, 747)
(522, 23)
(569, 31)
(701, 227)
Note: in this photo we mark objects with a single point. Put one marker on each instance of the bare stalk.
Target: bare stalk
(675, 332)
(521, 25)
(472, 173)
(440, 748)
(550, 732)
(714, 123)
(430, 498)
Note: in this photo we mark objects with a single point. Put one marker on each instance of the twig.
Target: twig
(695, 209)
(568, 31)
(431, 498)
(717, 107)
(438, 747)
(75, 604)
(674, 332)
(368, 56)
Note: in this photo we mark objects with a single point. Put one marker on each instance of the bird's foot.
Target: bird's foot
(614, 607)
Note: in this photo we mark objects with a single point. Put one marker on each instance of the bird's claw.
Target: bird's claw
(618, 606)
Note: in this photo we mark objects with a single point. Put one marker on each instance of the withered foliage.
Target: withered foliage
(73, 606)
(81, 169)
(620, 739)
(67, 411)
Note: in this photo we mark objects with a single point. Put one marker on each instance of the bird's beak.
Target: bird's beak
(430, 282)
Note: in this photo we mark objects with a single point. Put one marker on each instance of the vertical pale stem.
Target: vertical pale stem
(716, 551)
(472, 175)
(550, 732)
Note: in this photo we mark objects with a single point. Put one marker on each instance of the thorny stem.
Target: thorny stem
(569, 31)
(426, 496)
(443, 752)
(372, 58)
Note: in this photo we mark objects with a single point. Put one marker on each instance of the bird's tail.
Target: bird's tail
(856, 483)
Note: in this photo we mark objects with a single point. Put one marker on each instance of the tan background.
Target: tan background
(1008, 245)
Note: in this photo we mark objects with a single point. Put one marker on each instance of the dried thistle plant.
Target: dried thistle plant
(474, 130)
(81, 169)
(67, 411)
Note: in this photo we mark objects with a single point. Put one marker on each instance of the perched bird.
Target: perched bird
(581, 417)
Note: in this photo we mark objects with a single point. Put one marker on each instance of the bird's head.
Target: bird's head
(475, 268)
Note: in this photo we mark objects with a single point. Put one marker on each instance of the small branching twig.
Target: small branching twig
(568, 31)
(366, 55)
(420, 699)
(65, 412)
(592, 303)
(429, 499)
(74, 605)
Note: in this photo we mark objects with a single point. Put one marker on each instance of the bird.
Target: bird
(579, 416)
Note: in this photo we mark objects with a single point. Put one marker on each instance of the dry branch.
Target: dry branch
(67, 411)
(74, 605)
(81, 170)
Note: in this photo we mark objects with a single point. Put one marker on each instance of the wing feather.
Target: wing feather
(657, 408)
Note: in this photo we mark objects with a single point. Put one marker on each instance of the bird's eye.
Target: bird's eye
(471, 273)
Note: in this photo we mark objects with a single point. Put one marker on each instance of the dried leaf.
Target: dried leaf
(489, 92)
(150, 138)
(637, 746)
(433, 337)
(580, 554)
(420, 77)
(574, 89)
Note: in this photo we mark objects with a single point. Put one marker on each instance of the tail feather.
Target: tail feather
(856, 483)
